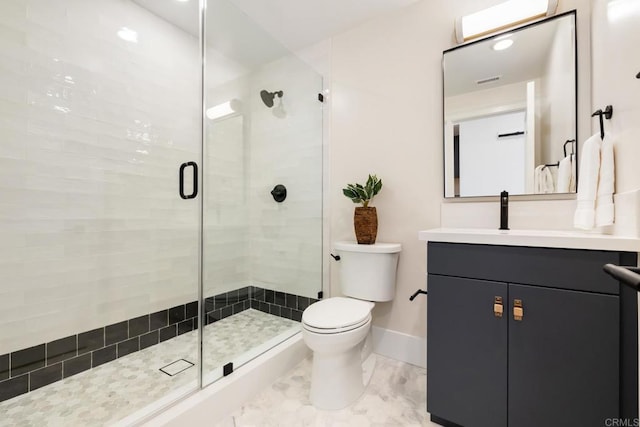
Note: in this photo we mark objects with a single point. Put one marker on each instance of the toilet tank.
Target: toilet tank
(368, 272)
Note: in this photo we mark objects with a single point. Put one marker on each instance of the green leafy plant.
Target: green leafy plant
(363, 193)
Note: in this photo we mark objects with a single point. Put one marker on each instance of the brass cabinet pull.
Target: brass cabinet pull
(518, 311)
(497, 307)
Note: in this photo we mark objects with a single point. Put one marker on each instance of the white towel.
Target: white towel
(547, 180)
(542, 180)
(584, 217)
(572, 184)
(536, 180)
(604, 197)
(565, 169)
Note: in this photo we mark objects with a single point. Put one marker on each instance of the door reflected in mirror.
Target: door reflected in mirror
(510, 112)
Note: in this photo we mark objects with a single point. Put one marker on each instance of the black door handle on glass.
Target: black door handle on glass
(195, 180)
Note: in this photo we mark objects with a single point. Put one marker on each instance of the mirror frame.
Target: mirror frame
(524, 196)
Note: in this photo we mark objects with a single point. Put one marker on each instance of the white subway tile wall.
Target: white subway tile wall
(93, 129)
(250, 239)
(226, 238)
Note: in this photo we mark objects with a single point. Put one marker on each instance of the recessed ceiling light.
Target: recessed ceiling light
(127, 34)
(503, 44)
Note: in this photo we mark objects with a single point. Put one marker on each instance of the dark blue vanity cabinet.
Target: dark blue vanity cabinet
(529, 337)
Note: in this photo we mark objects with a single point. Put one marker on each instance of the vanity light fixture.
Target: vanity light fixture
(223, 110)
(502, 16)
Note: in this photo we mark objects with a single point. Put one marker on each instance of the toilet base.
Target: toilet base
(337, 379)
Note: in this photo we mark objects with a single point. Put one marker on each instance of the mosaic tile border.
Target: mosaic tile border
(28, 369)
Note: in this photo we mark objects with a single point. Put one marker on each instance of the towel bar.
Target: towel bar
(628, 275)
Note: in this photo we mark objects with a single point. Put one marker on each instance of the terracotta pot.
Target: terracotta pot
(365, 222)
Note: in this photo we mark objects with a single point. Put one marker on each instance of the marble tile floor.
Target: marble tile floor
(395, 397)
(111, 392)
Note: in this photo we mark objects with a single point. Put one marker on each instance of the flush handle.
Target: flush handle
(518, 310)
(498, 308)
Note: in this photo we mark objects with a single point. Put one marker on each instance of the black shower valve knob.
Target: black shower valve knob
(279, 193)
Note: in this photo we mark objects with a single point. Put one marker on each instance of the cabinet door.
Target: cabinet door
(466, 352)
(563, 358)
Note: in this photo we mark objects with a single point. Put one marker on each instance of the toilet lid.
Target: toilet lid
(336, 313)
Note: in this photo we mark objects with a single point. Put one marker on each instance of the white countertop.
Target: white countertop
(537, 238)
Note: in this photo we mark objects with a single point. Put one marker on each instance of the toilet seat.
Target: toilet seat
(335, 315)
(328, 331)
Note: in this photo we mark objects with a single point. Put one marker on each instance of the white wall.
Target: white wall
(92, 132)
(616, 38)
(558, 94)
(387, 119)
(486, 101)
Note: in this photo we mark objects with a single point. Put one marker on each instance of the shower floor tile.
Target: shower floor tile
(396, 396)
(113, 391)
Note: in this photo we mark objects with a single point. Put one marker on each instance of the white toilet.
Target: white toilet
(336, 328)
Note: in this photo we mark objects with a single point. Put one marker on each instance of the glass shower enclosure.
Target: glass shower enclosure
(262, 199)
(147, 247)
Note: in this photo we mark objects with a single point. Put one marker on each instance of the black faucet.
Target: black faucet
(504, 210)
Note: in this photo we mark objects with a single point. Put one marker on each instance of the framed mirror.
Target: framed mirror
(510, 112)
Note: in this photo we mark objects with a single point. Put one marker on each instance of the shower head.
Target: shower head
(267, 97)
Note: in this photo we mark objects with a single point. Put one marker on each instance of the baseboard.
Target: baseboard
(396, 345)
(214, 403)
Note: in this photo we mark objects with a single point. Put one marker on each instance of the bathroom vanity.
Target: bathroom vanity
(525, 329)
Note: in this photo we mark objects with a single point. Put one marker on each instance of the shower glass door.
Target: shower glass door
(100, 105)
(262, 190)
(113, 204)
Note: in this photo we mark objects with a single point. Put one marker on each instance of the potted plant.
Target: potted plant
(365, 218)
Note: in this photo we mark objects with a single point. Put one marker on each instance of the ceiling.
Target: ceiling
(253, 31)
(300, 23)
